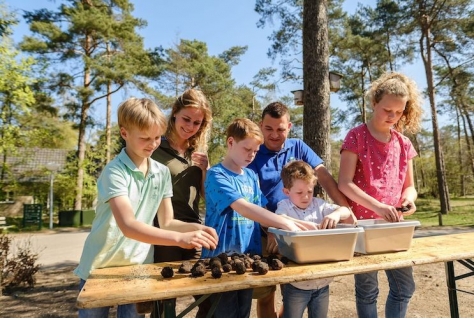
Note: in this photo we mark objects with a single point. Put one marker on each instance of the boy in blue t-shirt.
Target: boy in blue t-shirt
(234, 209)
(132, 190)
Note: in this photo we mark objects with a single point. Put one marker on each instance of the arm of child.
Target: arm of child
(346, 185)
(331, 220)
(302, 224)
(329, 184)
(265, 217)
(272, 244)
(135, 229)
(166, 221)
(409, 193)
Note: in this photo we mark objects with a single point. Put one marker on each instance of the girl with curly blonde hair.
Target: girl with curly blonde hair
(376, 175)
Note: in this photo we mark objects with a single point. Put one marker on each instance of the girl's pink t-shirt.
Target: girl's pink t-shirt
(381, 167)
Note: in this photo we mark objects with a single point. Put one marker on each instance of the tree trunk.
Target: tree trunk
(467, 118)
(81, 149)
(109, 114)
(418, 171)
(108, 124)
(425, 49)
(468, 143)
(460, 152)
(363, 110)
(316, 112)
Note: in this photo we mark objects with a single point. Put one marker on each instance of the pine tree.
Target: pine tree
(75, 39)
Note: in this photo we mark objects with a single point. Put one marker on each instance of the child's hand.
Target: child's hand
(406, 208)
(198, 239)
(211, 231)
(291, 225)
(305, 225)
(330, 221)
(388, 213)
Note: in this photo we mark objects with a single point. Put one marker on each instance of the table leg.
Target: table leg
(169, 310)
(164, 309)
(194, 305)
(451, 283)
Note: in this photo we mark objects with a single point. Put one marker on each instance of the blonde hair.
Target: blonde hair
(197, 100)
(240, 129)
(140, 113)
(297, 170)
(400, 85)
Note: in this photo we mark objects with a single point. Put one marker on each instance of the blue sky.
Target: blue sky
(219, 23)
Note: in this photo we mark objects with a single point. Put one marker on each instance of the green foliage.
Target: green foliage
(98, 39)
(373, 41)
(16, 96)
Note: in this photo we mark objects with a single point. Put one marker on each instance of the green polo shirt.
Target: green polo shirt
(106, 245)
(186, 179)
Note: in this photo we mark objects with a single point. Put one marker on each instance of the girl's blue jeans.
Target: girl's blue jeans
(401, 289)
(296, 300)
(123, 311)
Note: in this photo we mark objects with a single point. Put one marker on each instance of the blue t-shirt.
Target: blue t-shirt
(237, 234)
(269, 164)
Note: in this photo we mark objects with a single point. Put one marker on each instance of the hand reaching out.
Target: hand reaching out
(406, 208)
(388, 213)
(199, 239)
(330, 221)
(305, 225)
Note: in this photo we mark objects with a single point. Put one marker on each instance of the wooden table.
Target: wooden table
(131, 284)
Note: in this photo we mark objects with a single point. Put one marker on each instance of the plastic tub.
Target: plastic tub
(380, 236)
(314, 246)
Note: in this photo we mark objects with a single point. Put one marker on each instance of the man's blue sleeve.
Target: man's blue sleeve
(308, 155)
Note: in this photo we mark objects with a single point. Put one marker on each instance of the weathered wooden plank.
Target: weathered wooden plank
(130, 284)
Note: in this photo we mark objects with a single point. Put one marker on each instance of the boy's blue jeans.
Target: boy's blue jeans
(123, 311)
(233, 304)
(402, 287)
(296, 300)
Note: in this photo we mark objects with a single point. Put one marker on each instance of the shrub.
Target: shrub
(18, 268)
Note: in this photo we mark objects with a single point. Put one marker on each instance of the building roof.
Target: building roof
(34, 164)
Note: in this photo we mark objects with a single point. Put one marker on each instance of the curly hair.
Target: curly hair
(295, 170)
(195, 99)
(400, 85)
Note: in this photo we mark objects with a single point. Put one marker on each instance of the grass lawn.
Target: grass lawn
(461, 214)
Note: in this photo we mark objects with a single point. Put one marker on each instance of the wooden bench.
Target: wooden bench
(3, 223)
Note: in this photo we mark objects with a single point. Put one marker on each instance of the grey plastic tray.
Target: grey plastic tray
(314, 246)
(380, 236)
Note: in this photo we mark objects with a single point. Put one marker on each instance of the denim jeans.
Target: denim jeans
(296, 300)
(401, 289)
(233, 304)
(123, 311)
